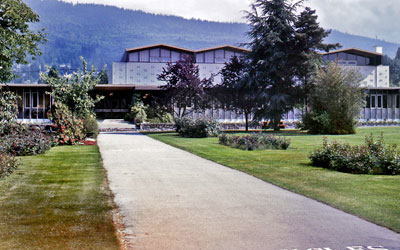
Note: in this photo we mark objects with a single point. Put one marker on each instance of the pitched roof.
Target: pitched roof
(224, 47)
(160, 45)
(354, 51)
(187, 50)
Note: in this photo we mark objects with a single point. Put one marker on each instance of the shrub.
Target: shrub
(372, 158)
(254, 141)
(7, 164)
(25, 141)
(200, 128)
(90, 126)
(336, 99)
(70, 130)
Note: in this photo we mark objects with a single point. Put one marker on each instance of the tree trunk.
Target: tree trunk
(246, 115)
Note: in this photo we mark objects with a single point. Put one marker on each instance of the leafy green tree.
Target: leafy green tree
(74, 90)
(336, 100)
(283, 45)
(17, 40)
(234, 92)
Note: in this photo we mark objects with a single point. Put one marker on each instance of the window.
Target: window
(175, 56)
(385, 102)
(165, 55)
(155, 55)
(200, 58)
(144, 56)
(34, 100)
(373, 101)
(219, 56)
(134, 57)
(397, 101)
(379, 101)
(209, 58)
(27, 100)
(368, 102)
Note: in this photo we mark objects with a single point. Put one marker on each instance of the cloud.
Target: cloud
(361, 17)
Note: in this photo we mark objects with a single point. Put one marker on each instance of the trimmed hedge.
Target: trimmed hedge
(200, 128)
(372, 158)
(255, 141)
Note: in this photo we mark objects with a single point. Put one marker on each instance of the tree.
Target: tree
(234, 92)
(17, 40)
(73, 90)
(283, 45)
(336, 100)
(184, 90)
(103, 76)
(309, 36)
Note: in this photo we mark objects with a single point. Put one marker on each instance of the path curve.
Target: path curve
(171, 199)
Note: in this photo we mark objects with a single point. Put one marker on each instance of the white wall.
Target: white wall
(146, 73)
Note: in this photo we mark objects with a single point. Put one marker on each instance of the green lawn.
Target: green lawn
(375, 198)
(58, 200)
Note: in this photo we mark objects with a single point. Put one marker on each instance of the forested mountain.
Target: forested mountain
(101, 33)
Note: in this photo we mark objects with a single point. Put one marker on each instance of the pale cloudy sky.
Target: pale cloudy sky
(362, 17)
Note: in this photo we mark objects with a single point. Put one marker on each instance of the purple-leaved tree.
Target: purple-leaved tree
(184, 92)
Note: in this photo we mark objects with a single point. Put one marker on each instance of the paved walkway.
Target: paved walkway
(172, 199)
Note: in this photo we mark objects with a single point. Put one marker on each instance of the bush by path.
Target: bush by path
(372, 158)
(255, 141)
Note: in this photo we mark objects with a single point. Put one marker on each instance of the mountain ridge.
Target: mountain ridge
(101, 33)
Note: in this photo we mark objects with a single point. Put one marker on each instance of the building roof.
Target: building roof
(160, 45)
(235, 48)
(356, 51)
(225, 47)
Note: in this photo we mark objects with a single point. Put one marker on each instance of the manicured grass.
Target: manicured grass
(58, 200)
(375, 198)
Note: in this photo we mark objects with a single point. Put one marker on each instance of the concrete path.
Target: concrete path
(172, 199)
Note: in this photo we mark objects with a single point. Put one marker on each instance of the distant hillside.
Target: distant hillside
(101, 33)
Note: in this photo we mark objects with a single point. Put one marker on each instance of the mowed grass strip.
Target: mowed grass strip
(58, 200)
(372, 197)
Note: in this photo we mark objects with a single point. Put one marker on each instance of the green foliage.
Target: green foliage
(336, 100)
(23, 140)
(283, 49)
(7, 164)
(254, 141)
(234, 92)
(8, 109)
(17, 39)
(73, 90)
(372, 158)
(70, 129)
(183, 87)
(90, 127)
(141, 113)
(103, 76)
(200, 128)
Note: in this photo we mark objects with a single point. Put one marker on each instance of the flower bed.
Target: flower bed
(256, 141)
(372, 158)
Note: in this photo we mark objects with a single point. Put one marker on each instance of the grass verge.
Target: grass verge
(58, 200)
(374, 198)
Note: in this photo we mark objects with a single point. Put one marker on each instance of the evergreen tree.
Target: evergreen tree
(234, 92)
(283, 47)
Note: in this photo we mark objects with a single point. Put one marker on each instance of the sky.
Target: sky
(371, 18)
